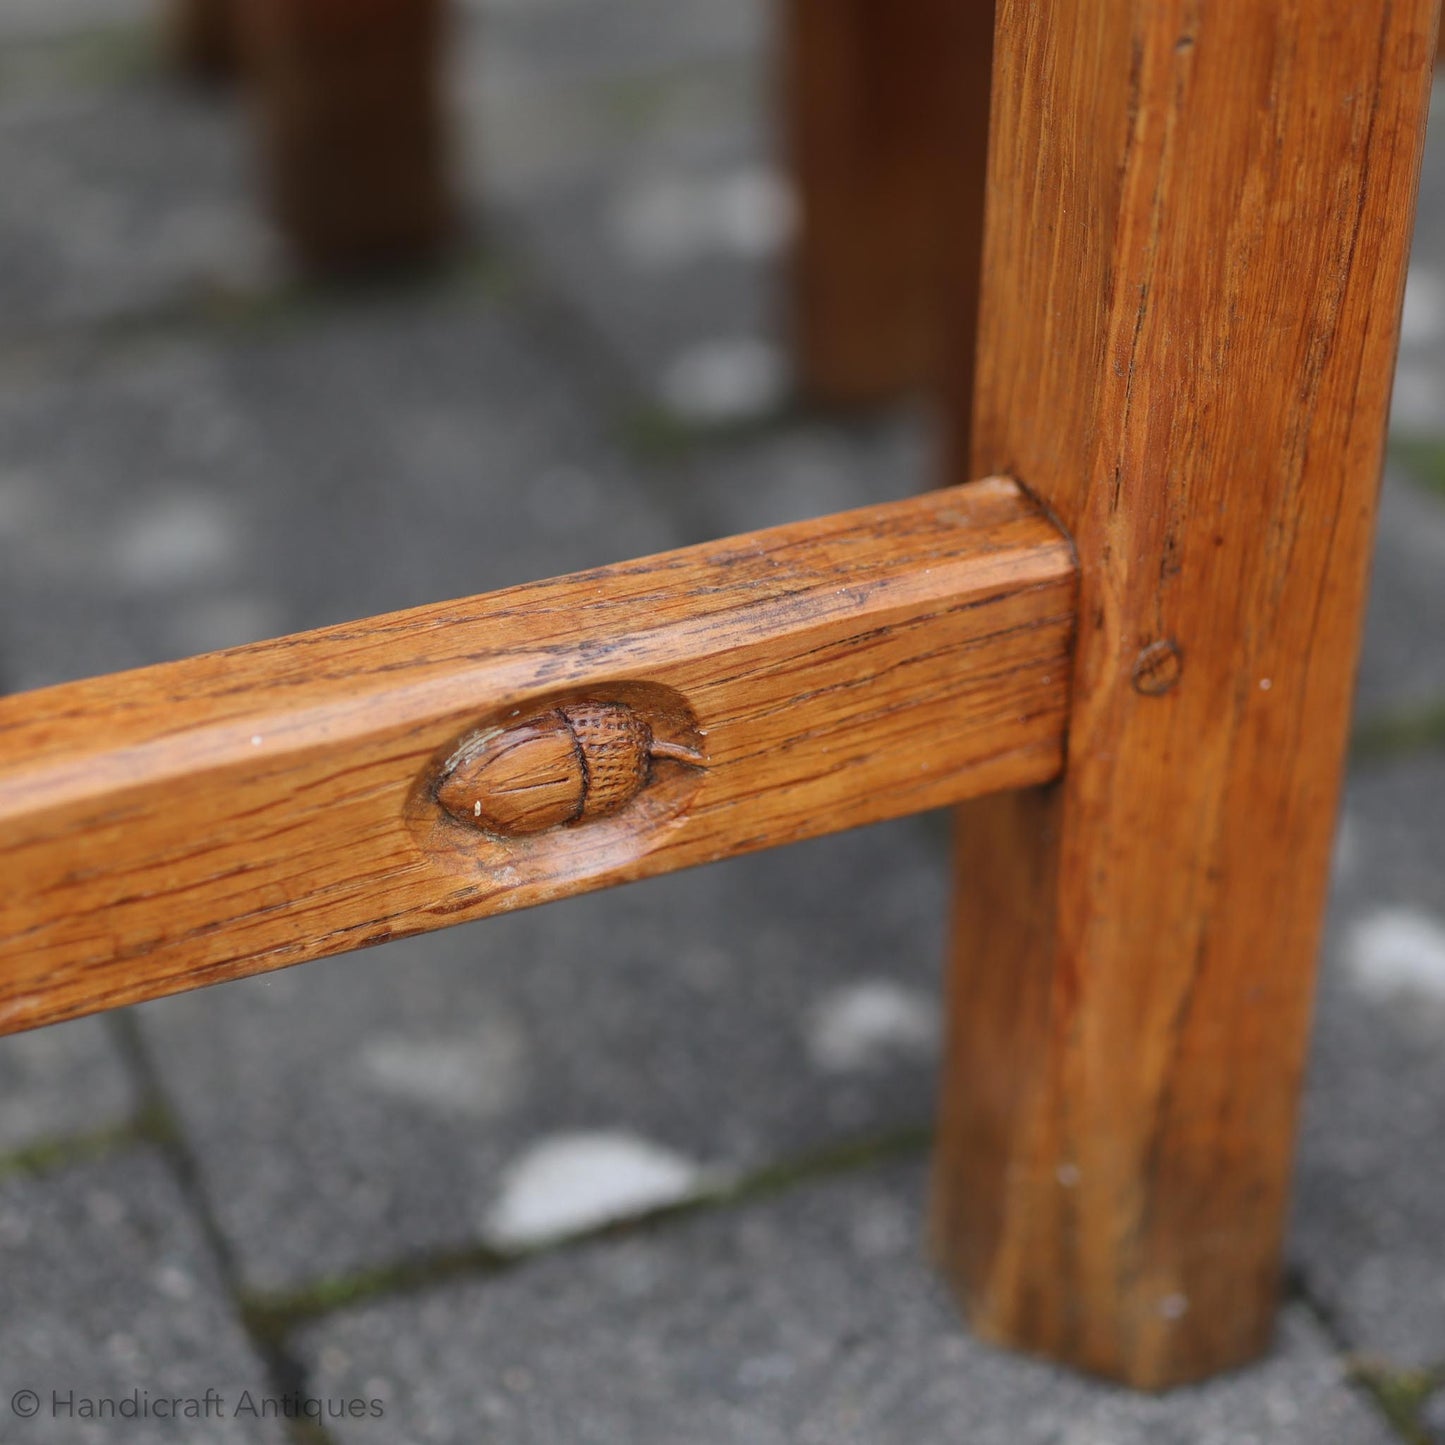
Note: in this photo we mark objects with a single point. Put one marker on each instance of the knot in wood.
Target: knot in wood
(569, 764)
(1158, 668)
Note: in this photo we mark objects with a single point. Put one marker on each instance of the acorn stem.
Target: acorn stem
(678, 752)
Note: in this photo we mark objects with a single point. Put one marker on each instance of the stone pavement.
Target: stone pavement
(647, 1166)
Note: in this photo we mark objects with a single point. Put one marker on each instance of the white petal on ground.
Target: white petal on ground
(573, 1182)
(755, 212)
(864, 1023)
(1398, 951)
(726, 379)
(176, 541)
(479, 1075)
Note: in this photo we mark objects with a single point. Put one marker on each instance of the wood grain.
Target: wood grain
(1197, 234)
(201, 820)
(886, 109)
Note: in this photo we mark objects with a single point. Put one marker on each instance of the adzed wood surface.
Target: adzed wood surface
(1197, 231)
(201, 820)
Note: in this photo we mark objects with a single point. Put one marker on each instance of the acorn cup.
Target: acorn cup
(568, 765)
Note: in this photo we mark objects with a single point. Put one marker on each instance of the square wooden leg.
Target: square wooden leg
(1195, 255)
(349, 99)
(887, 119)
(202, 37)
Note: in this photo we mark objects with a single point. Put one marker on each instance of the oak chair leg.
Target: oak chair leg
(887, 117)
(1195, 255)
(201, 36)
(350, 105)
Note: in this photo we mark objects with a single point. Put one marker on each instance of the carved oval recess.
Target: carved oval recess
(570, 763)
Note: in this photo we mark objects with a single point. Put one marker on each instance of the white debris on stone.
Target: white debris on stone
(1423, 319)
(573, 1182)
(863, 1023)
(176, 541)
(747, 213)
(1396, 952)
(726, 379)
(756, 212)
(480, 1075)
(174, 1282)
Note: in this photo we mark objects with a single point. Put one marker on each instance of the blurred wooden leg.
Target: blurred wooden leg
(351, 109)
(202, 37)
(1198, 225)
(887, 108)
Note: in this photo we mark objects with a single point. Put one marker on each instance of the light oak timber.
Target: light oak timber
(1195, 254)
(206, 819)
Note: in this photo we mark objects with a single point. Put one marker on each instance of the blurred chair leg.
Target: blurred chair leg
(1199, 221)
(887, 113)
(352, 115)
(201, 36)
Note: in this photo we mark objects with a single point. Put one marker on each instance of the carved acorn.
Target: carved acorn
(579, 761)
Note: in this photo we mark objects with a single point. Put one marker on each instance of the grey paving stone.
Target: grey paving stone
(1370, 1211)
(560, 89)
(32, 20)
(1430, 213)
(671, 257)
(107, 1288)
(124, 199)
(1402, 665)
(128, 192)
(562, 42)
(194, 494)
(807, 1318)
(517, 135)
(1417, 410)
(62, 1082)
(441, 449)
(1404, 660)
(638, 1044)
(1432, 1419)
(808, 468)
